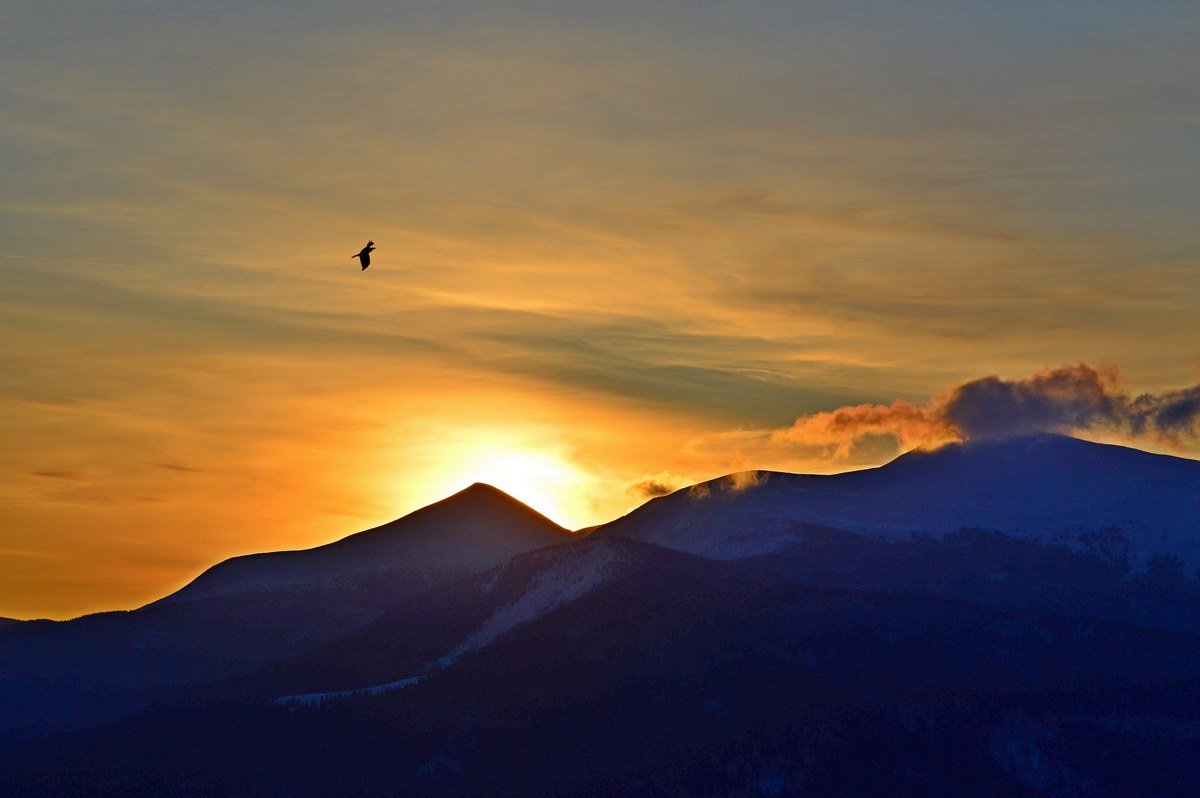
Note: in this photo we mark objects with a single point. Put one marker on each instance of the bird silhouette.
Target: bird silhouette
(364, 255)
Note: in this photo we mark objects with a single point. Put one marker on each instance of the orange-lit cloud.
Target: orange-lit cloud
(1067, 399)
(911, 425)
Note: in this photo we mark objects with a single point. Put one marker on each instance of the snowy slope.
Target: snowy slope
(471, 531)
(439, 628)
(1110, 500)
(551, 578)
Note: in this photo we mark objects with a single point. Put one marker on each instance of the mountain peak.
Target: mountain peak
(472, 530)
(473, 504)
(484, 489)
(484, 492)
(1030, 453)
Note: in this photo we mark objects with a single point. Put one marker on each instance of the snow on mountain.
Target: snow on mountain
(1113, 501)
(560, 575)
(438, 628)
(471, 531)
(316, 699)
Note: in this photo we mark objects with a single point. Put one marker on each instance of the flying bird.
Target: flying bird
(364, 255)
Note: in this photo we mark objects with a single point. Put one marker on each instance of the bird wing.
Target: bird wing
(365, 257)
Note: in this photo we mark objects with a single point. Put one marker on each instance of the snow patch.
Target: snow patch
(316, 699)
(568, 576)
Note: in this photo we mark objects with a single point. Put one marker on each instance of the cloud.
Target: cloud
(731, 483)
(743, 480)
(652, 488)
(181, 468)
(1066, 399)
(69, 476)
(1173, 415)
(660, 484)
(665, 483)
(911, 425)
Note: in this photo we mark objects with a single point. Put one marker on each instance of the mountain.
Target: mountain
(1112, 501)
(436, 629)
(249, 611)
(470, 531)
(1013, 618)
(674, 675)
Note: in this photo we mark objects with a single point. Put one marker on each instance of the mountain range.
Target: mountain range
(1015, 617)
(1113, 501)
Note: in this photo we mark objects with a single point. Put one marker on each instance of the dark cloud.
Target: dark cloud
(1174, 414)
(1056, 400)
(1066, 399)
(1069, 399)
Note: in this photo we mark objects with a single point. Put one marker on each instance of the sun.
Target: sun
(543, 479)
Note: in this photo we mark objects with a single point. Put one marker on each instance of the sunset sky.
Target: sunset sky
(621, 247)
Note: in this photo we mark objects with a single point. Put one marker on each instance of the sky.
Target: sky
(622, 247)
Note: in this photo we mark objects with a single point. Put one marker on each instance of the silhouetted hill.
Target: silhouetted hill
(1013, 618)
(701, 677)
(436, 629)
(252, 610)
(475, 529)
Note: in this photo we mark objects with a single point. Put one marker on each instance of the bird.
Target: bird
(364, 255)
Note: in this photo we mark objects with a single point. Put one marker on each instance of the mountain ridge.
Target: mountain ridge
(447, 535)
(245, 612)
(1115, 500)
(705, 612)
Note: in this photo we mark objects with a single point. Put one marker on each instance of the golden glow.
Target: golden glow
(544, 480)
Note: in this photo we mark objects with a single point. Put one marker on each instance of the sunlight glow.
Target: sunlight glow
(544, 480)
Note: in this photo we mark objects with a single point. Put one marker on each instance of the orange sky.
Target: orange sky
(616, 245)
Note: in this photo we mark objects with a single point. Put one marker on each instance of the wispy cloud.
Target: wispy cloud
(63, 474)
(732, 483)
(659, 484)
(181, 468)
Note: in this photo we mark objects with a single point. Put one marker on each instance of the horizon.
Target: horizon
(575, 532)
(619, 250)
